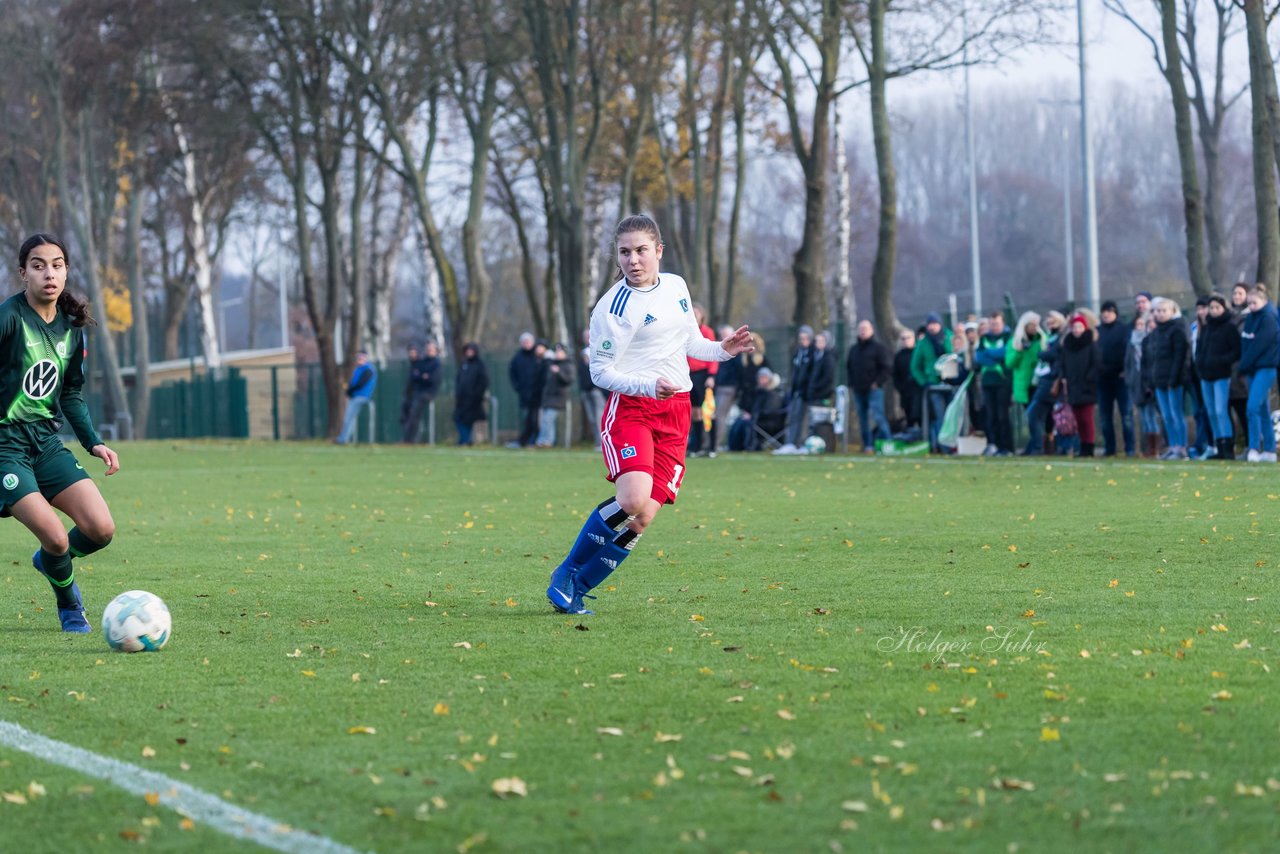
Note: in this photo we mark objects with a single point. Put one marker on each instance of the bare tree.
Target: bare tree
(1266, 140)
(1176, 53)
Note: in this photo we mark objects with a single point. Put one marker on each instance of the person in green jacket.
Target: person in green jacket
(933, 345)
(1023, 354)
(42, 349)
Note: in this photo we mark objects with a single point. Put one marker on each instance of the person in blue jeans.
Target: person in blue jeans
(869, 366)
(359, 392)
(1259, 356)
(1217, 352)
(1040, 409)
(1166, 349)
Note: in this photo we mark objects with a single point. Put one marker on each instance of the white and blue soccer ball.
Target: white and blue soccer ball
(815, 445)
(137, 621)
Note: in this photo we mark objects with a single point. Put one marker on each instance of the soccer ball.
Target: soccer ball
(136, 621)
(815, 445)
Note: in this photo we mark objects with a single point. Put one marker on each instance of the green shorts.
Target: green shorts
(31, 462)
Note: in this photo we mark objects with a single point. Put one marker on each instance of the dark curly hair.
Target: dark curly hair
(76, 309)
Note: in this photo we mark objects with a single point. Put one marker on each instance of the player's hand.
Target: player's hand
(665, 388)
(711, 382)
(108, 456)
(739, 342)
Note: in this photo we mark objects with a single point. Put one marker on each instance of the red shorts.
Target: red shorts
(648, 435)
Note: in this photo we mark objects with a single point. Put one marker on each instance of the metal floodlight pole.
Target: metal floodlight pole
(1068, 249)
(975, 263)
(1086, 156)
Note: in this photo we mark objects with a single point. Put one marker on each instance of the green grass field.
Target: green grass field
(805, 654)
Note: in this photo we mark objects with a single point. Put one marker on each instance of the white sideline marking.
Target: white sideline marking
(200, 807)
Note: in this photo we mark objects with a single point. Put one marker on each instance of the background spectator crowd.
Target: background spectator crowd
(1145, 380)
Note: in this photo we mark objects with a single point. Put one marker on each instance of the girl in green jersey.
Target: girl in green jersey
(42, 348)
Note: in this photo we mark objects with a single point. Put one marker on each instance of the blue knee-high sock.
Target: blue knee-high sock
(608, 559)
(598, 531)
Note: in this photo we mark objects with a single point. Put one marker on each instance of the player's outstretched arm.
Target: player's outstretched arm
(739, 342)
(108, 456)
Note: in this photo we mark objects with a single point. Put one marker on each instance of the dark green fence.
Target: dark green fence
(310, 414)
(200, 407)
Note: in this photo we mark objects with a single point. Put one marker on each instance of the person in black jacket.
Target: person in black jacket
(1077, 367)
(869, 367)
(1113, 391)
(822, 380)
(797, 411)
(527, 374)
(1217, 353)
(469, 388)
(1166, 357)
(557, 379)
(419, 389)
(909, 392)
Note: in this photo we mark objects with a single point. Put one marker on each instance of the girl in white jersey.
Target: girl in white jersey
(642, 335)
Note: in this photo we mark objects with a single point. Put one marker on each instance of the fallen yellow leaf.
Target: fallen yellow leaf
(786, 714)
(362, 730)
(1049, 734)
(151, 798)
(441, 709)
(505, 787)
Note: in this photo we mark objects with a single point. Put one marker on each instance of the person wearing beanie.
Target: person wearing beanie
(1078, 369)
(1217, 352)
(997, 385)
(932, 346)
(1113, 391)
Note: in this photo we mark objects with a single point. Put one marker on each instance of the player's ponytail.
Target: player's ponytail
(76, 310)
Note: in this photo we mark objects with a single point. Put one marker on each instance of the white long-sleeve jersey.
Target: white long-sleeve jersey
(640, 335)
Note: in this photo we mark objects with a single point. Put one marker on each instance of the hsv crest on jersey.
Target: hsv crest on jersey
(628, 452)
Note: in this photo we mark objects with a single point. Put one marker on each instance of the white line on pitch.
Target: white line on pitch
(200, 807)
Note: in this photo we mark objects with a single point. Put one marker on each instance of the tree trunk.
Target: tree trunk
(141, 322)
(847, 306)
(1261, 70)
(469, 326)
(1193, 212)
(886, 319)
(81, 216)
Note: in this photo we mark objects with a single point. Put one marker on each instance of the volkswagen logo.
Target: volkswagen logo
(40, 380)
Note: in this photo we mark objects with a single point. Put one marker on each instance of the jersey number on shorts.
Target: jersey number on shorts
(674, 485)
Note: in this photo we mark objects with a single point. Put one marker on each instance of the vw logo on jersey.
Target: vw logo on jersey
(61, 349)
(40, 380)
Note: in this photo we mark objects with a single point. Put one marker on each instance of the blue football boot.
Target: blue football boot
(73, 619)
(566, 593)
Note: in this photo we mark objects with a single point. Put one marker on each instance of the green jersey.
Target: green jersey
(42, 373)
